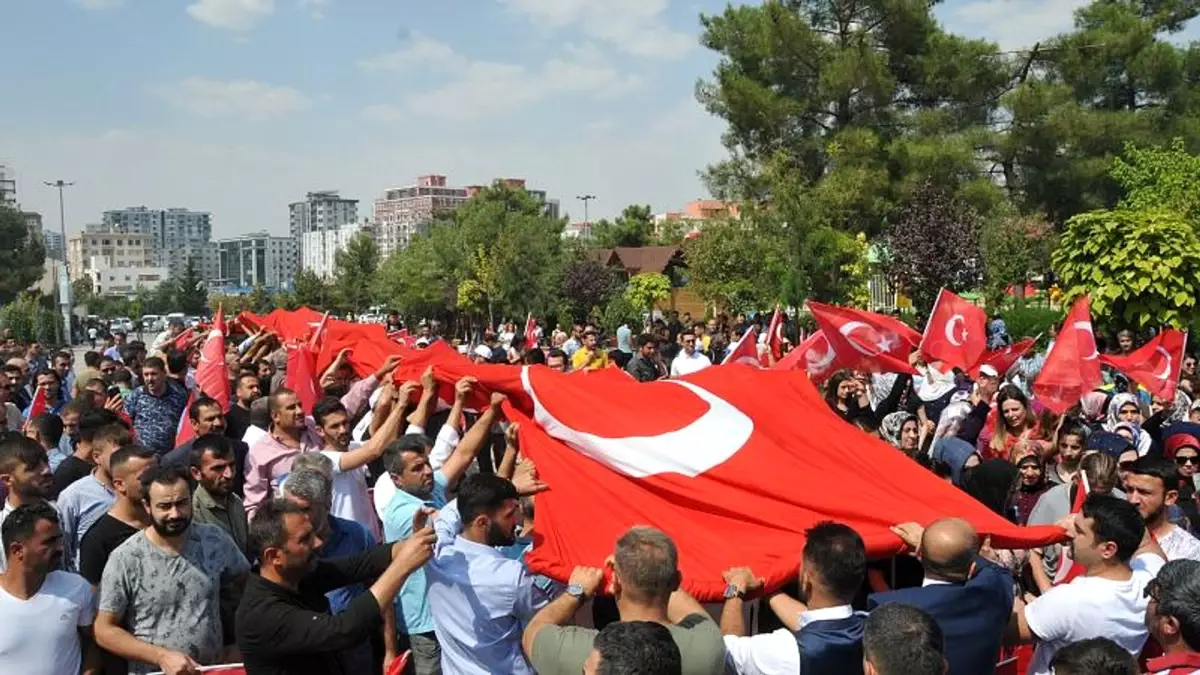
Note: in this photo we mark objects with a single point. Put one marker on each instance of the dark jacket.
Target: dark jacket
(972, 616)
(643, 369)
(282, 632)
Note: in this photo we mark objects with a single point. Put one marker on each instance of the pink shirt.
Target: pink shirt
(269, 462)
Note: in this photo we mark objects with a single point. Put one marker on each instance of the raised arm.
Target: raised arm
(420, 416)
(474, 440)
(508, 464)
(373, 449)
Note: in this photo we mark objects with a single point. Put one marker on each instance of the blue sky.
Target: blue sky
(239, 107)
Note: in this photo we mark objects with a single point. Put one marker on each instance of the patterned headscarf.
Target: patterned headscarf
(889, 428)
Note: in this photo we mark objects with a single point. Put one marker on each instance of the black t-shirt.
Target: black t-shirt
(98, 543)
(69, 470)
(237, 421)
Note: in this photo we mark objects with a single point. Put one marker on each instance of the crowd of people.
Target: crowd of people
(387, 523)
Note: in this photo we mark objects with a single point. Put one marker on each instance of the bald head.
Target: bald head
(948, 548)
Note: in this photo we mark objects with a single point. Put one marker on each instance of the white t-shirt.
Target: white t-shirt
(685, 365)
(1091, 607)
(1179, 544)
(351, 498)
(41, 634)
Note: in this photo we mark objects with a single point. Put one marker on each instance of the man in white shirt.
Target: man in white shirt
(690, 359)
(1152, 485)
(1174, 618)
(1109, 601)
(47, 614)
(24, 474)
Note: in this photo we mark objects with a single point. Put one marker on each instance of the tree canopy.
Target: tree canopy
(22, 256)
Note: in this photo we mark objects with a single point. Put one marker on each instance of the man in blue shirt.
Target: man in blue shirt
(419, 486)
(156, 407)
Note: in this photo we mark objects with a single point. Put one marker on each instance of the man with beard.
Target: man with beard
(479, 599)
(1152, 486)
(283, 624)
(47, 614)
(168, 593)
(25, 475)
(419, 486)
(206, 417)
(237, 420)
(213, 467)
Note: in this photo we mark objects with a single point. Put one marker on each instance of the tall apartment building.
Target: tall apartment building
(177, 235)
(318, 248)
(53, 241)
(320, 211)
(8, 186)
(90, 251)
(404, 212)
(257, 259)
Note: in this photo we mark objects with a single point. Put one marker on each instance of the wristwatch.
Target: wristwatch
(575, 591)
(732, 591)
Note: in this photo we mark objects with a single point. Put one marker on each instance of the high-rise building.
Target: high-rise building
(319, 247)
(53, 242)
(177, 235)
(257, 259)
(320, 211)
(90, 251)
(405, 212)
(8, 186)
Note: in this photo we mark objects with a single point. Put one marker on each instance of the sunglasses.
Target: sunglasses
(1188, 459)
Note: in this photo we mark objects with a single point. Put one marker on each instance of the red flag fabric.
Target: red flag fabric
(183, 429)
(775, 334)
(866, 340)
(733, 463)
(815, 356)
(1003, 359)
(531, 338)
(956, 333)
(745, 350)
(1072, 367)
(291, 325)
(182, 340)
(302, 376)
(38, 405)
(212, 375)
(1155, 365)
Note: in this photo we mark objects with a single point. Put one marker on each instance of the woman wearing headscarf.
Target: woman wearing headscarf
(902, 430)
(958, 454)
(992, 484)
(1163, 415)
(1124, 408)
(1031, 485)
(1093, 407)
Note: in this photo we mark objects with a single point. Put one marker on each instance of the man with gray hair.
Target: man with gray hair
(310, 486)
(645, 584)
(1173, 616)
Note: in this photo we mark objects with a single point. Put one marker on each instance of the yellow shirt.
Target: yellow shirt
(589, 359)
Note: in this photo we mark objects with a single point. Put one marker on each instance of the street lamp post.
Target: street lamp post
(64, 279)
(587, 223)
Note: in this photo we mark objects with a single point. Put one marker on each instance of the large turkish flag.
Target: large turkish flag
(733, 463)
(866, 340)
(1155, 365)
(1072, 367)
(956, 333)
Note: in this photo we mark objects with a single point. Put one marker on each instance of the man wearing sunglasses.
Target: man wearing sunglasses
(1153, 487)
(1173, 616)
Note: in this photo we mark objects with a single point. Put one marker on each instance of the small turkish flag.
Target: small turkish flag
(866, 340)
(956, 333)
(531, 336)
(38, 405)
(183, 428)
(1073, 366)
(1003, 359)
(302, 377)
(212, 375)
(814, 355)
(775, 334)
(733, 463)
(1155, 365)
(745, 350)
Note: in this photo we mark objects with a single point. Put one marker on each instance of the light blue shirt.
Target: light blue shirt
(79, 507)
(481, 600)
(66, 448)
(413, 615)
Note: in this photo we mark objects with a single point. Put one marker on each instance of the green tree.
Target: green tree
(1140, 267)
(646, 290)
(586, 285)
(634, 227)
(734, 265)
(190, 294)
(259, 301)
(311, 290)
(1015, 250)
(353, 269)
(21, 256)
(422, 280)
(1160, 177)
(82, 292)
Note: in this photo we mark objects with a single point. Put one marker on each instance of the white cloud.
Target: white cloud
(483, 89)
(315, 8)
(637, 27)
(100, 4)
(1014, 24)
(235, 15)
(247, 99)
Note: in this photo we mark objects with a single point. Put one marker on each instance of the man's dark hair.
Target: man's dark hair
(556, 353)
(1179, 596)
(92, 420)
(154, 363)
(77, 406)
(17, 450)
(1097, 656)
(645, 339)
(1115, 520)
(129, 352)
(65, 356)
(91, 359)
(268, 529)
(534, 356)
(216, 444)
(648, 563)
(22, 522)
(164, 474)
(123, 376)
(1073, 428)
(177, 361)
(200, 404)
(50, 427)
(637, 648)
(249, 372)
(325, 407)
(900, 639)
(836, 553)
(482, 494)
(127, 452)
(113, 434)
(274, 398)
(393, 453)
(49, 373)
(12, 370)
(1157, 467)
